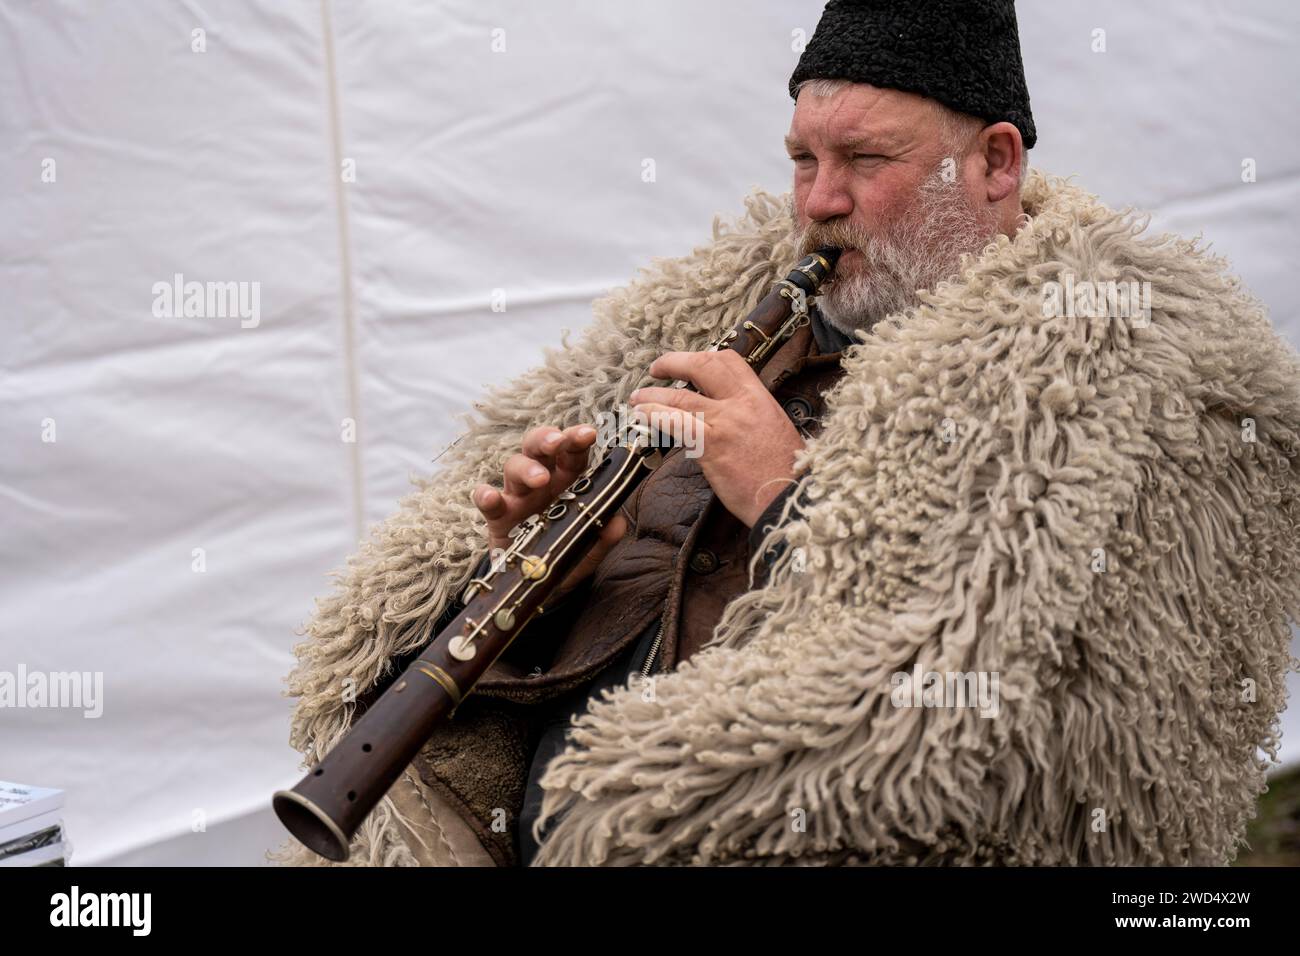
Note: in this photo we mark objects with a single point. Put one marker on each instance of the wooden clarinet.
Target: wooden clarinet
(326, 807)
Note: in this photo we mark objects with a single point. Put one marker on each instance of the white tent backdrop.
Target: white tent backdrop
(379, 169)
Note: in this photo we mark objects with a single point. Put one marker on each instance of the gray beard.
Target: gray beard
(918, 252)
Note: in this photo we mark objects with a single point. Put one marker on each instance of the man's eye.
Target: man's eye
(867, 156)
(801, 157)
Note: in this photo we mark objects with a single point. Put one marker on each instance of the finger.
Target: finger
(714, 374)
(610, 535)
(524, 476)
(541, 443)
(574, 452)
(676, 397)
(490, 502)
(493, 506)
(671, 422)
(613, 531)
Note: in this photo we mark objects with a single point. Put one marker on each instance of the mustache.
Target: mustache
(846, 235)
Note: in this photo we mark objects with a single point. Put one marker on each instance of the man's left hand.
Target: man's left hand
(747, 443)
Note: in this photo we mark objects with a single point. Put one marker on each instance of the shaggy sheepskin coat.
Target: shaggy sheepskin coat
(1102, 512)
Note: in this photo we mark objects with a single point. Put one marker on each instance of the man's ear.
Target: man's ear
(1003, 151)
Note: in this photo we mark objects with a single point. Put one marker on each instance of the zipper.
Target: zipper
(654, 648)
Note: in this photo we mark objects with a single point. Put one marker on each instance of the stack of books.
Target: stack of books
(31, 826)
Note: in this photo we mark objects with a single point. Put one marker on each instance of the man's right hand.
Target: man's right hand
(550, 461)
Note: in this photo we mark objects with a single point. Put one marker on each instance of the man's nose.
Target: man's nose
(829, 197)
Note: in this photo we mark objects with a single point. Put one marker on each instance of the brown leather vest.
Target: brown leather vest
(684, 557)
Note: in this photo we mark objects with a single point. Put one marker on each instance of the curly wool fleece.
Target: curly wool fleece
(1073, 504)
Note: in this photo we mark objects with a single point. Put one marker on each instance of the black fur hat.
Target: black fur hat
(963, 53)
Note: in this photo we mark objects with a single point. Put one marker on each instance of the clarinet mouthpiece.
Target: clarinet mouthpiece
(830, 253)
(815, 268)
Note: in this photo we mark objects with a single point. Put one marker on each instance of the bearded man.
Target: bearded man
(992, 563)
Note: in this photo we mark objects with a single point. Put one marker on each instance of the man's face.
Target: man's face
(870, 176)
